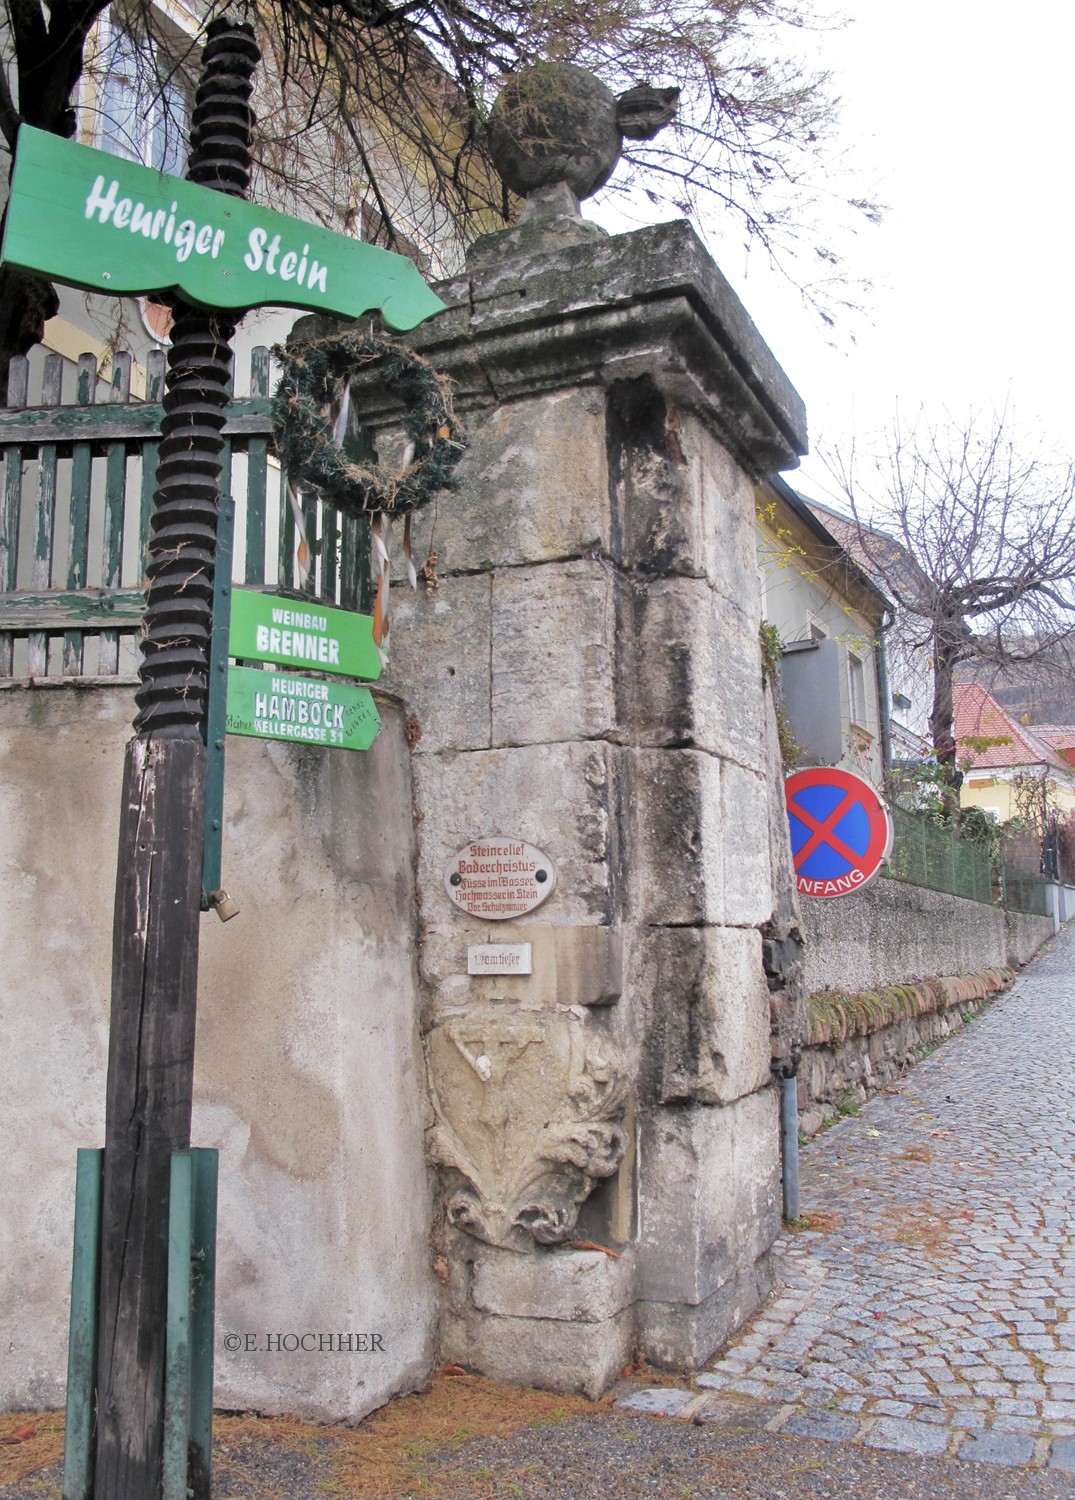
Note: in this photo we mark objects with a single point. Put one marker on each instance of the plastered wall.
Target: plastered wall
(308, 1074)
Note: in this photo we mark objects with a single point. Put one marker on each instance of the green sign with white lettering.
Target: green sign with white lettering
(89, 219)
(304, 710)
(302, 633)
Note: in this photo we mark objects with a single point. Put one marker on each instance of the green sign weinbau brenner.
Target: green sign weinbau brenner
(89, 219)
(309, 710)
(302, 633)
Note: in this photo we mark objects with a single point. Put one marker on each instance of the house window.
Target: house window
(143, 101)
(857, 677)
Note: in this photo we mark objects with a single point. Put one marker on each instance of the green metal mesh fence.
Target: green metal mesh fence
(1021, 858)
(1022, 888)
(924, 854)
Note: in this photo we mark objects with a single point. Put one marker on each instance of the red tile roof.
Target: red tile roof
(1060, 736)
(978, 716)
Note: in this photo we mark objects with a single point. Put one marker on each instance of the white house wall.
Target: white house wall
(797, 594)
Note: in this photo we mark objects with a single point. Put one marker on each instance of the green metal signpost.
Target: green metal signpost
(140, 1376)
(93, 220)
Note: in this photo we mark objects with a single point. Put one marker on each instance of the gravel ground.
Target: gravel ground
(244, 1471)
(609, 1457)
(45, 1484)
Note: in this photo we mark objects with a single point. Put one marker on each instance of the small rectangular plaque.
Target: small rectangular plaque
(499, 958)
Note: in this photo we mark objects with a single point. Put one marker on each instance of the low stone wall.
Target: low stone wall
(1024, 934)
(871, 964)
(859, 1043)
(892, 932)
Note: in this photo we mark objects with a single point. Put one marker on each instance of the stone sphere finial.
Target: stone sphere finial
(556, 123)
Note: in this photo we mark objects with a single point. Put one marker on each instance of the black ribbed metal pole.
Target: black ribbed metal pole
(175, 672)
(158, 882)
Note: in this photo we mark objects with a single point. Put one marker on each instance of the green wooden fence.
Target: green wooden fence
(78, 482)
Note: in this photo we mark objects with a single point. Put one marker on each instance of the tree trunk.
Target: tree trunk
(26, 304)
(49, 49)
(942, 720)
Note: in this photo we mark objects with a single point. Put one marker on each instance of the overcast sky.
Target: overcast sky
(958, 116)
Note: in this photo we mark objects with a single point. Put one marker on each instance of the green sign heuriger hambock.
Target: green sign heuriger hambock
(302, 710)
(89, 219)
(286, 706)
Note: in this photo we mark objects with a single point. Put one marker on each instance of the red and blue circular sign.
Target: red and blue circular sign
(841, 831)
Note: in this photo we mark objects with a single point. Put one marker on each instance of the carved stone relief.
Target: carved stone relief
(527, 1121)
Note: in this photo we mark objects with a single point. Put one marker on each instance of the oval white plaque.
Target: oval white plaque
(499, 878)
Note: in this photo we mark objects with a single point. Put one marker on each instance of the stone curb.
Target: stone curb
(901, 1435)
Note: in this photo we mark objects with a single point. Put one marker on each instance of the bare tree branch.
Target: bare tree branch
(409, 83)
(971, 531)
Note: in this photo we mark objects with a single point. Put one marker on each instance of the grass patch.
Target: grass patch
(817, 1220)
(834, 1016)
(386, 1457)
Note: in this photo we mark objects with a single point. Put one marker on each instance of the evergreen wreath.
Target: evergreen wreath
(316, 374)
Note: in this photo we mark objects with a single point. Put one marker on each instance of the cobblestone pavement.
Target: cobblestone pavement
(930, 1309)
(925, 1320)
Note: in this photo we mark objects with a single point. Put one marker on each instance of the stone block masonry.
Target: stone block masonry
(587, 678)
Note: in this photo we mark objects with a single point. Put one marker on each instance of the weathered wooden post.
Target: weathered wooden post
(158, 882)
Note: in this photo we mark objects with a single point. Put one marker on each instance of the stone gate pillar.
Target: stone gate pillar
(587, 679)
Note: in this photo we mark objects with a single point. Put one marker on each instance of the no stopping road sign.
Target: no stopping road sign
(841, 831)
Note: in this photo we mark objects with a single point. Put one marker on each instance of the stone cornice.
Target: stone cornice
(650, 302)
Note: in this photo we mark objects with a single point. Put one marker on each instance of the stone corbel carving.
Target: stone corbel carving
(527, 1121)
